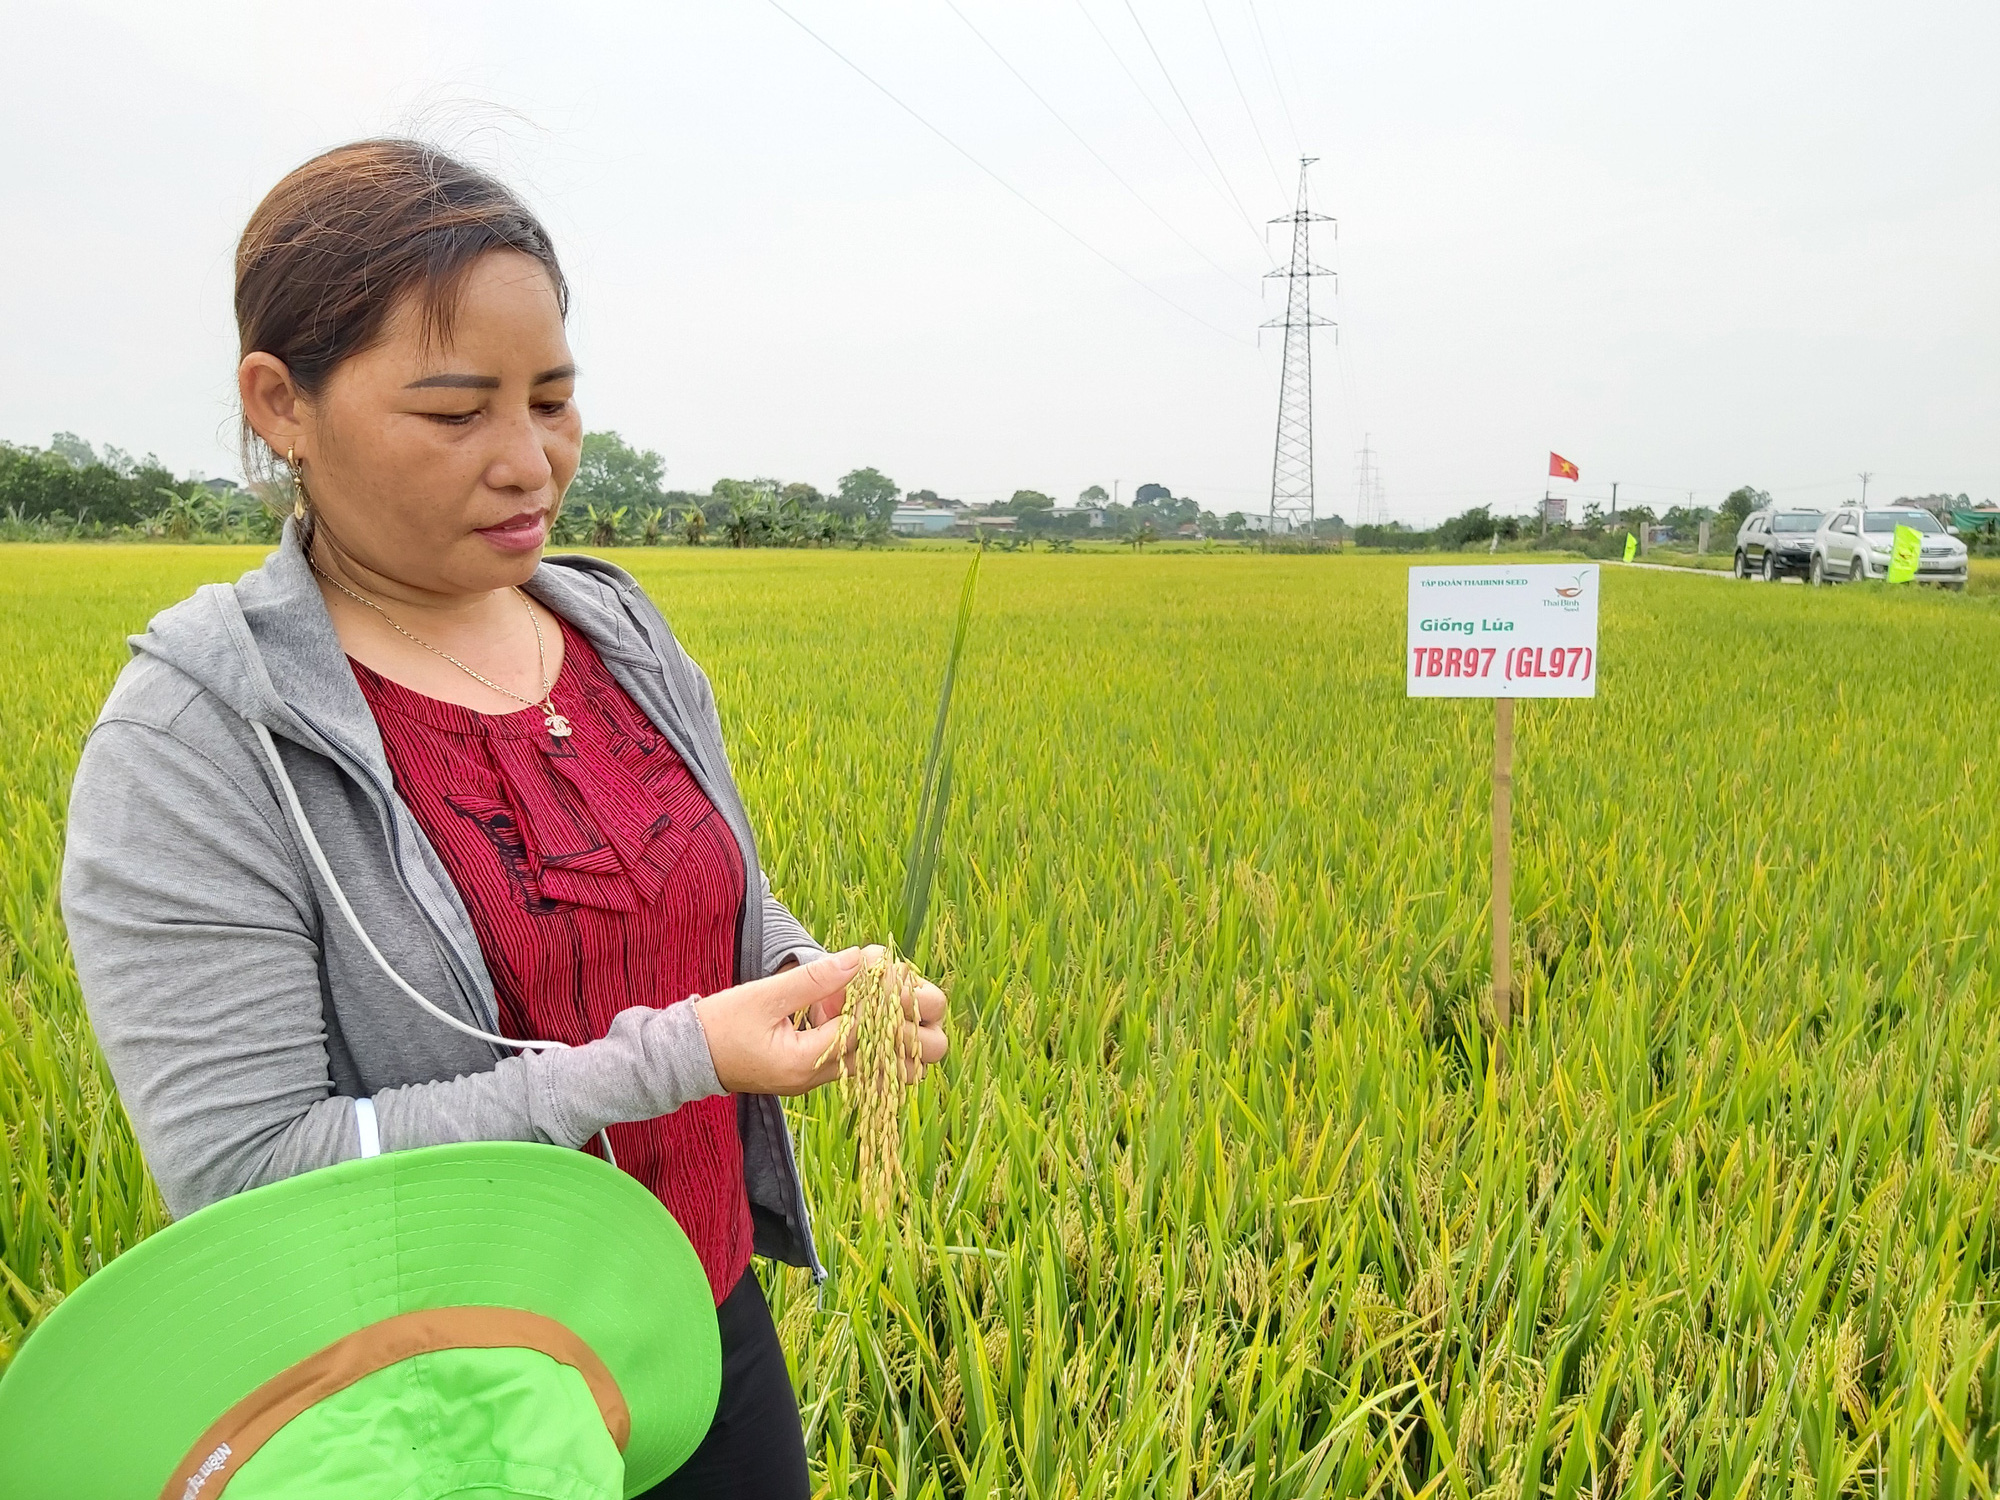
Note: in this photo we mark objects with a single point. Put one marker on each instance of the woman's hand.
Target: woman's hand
(753, 1040)
(758, 1048)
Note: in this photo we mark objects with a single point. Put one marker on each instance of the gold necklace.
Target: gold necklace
(558, 726)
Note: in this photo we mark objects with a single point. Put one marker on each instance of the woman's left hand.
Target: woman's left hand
(931, 1041)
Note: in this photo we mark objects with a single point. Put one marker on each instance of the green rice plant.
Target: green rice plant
(934, 796)
(881, 1009)
(1221, 1191)
(74, 1191)
(881, 1017)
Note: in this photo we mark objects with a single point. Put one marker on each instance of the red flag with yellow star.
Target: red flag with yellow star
(1561, 468)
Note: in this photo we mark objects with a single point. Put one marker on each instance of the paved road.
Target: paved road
(1703, 572)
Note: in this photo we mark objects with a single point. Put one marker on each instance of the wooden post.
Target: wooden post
(1503, 864)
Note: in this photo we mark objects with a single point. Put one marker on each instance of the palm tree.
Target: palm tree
(693, 525)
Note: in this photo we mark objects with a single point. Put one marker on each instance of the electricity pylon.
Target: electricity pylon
(1292, 457)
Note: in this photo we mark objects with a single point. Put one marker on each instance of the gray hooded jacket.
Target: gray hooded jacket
(242, 1017)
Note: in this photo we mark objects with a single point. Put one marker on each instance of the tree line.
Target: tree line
(70, 489)
(619, 498)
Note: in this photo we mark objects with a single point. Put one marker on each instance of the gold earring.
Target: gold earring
(298, 488)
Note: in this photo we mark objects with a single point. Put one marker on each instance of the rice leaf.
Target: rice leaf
(927, 831)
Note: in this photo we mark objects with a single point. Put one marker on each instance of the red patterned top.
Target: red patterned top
(598, 876)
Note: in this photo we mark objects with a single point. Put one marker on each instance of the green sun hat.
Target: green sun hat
(488, 1319)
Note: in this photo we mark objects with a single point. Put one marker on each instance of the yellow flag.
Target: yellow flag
(1631, 546)
(1903, 556)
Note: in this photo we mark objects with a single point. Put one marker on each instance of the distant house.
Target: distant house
(921, 520)
(1093, 514)
(1189, 529)
(993, 523)
(1274, 525)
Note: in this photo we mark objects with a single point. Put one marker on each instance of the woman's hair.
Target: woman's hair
(342, 240)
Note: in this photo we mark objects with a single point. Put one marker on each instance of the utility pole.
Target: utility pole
(1292, 454)
(1864, 477)
(1614, 502)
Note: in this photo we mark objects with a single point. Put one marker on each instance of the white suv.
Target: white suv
(1852, 544)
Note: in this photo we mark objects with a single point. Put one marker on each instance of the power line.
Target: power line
(1352, 409)
(1272, 68)
(1158, 114)
(1161, 64)
(884, 91)
(1095, 153)
(1255, 129)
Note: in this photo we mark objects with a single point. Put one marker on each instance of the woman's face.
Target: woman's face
(440, 464)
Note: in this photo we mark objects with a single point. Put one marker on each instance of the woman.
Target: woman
(349, 831)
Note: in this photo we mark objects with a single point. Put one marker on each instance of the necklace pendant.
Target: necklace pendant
(558, 726)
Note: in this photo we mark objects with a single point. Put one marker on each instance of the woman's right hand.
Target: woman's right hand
(755, 1044)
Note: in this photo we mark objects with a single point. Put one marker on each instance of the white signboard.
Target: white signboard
(1503, 632)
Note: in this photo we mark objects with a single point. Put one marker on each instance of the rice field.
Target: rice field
(1225, 1191)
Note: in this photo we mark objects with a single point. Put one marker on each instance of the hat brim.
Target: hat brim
(107, 1395)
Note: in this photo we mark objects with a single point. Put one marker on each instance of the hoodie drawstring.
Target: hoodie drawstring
(320, 863)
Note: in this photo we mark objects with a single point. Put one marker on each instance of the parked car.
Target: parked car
(1853, 544)
(1774, 542)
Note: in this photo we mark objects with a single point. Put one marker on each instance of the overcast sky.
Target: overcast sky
(1688, 246)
